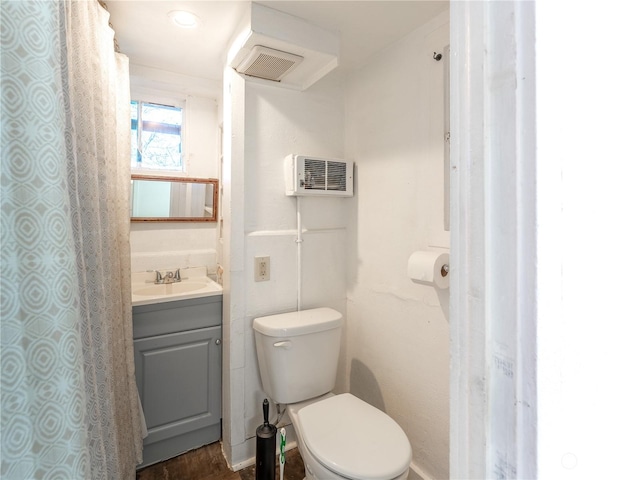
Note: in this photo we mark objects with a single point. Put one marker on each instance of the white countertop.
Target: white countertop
(194, 284)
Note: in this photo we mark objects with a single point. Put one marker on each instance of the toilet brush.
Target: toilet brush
(283, 442)
(266, 447)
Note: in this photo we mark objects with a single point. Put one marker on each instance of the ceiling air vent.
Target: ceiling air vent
(267, 63)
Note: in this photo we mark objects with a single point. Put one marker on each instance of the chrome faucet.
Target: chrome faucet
(169, 277)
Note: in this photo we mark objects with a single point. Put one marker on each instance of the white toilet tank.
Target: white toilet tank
(298, 353)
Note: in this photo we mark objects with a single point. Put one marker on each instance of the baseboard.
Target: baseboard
(251, 461)
(415, 473)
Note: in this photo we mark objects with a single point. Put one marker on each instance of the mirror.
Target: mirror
(173, 199)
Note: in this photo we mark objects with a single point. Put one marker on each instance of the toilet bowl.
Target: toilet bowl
(339, 436)
(342, 437)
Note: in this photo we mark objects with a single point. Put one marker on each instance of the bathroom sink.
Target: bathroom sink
(169, 288)
(194, 284)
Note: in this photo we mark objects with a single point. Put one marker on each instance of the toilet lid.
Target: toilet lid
(354, 439)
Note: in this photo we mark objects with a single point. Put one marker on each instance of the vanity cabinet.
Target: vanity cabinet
(178, 360)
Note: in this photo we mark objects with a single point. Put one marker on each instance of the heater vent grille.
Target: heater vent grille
(314, 174)
(337, 176)
(267, 63)
(325, 175)
(318, 176)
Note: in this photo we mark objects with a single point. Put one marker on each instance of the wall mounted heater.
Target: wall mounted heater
(306, 175)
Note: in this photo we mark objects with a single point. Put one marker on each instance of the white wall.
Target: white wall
(588, 197)
(395, 347)
(266, 124)
(398, 332)
(165, 245)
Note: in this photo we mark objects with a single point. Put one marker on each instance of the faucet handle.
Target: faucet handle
(159, 277)
(176, 276)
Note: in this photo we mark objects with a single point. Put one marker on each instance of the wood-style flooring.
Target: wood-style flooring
(208, 463)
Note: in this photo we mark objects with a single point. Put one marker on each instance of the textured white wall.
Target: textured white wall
(279, 122)
(395, 347)
(270, 123)
(398, 333)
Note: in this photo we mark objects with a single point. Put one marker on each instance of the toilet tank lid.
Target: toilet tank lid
(298, 323)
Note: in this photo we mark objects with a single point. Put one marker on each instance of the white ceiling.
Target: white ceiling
(146, 36)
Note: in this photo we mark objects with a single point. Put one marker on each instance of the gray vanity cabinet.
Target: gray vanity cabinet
(178, 359)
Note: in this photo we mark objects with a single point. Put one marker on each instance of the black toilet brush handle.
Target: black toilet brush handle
(265, 411)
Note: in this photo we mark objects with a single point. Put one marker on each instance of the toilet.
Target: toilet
(339, 436)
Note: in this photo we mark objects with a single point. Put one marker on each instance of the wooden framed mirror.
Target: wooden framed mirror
(173, 199)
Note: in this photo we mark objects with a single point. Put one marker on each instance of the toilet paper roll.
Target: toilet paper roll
(426, 267)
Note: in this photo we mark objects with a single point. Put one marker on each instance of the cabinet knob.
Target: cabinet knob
(218, 341)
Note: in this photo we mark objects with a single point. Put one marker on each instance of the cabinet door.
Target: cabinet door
(179, 380)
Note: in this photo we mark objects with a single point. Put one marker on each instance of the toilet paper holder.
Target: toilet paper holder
(430, 267)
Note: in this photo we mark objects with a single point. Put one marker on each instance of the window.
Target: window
(156, 136)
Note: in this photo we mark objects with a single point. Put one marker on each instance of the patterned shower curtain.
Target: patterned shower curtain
(69, 405)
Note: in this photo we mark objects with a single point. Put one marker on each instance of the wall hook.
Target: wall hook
(437, 56)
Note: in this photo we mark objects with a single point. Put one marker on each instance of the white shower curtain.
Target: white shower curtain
(69, 400)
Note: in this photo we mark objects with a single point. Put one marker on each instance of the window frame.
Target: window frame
(142, 96)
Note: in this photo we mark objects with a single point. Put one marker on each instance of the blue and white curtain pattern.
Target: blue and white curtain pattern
(69, 405)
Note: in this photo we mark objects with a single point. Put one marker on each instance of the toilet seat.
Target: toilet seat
(354, 439)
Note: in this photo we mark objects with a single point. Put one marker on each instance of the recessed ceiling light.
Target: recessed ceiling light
(183, 18)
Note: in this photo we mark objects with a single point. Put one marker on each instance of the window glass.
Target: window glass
(156, 136)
